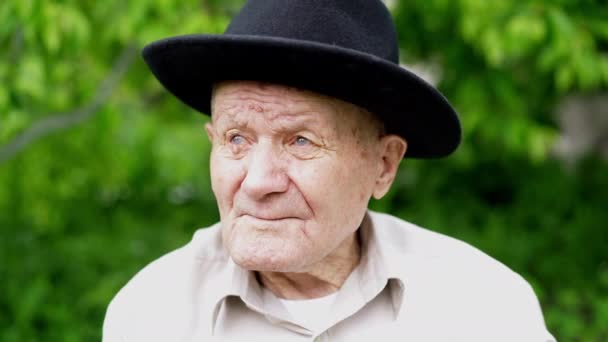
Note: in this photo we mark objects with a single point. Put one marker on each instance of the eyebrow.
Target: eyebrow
(287, 121)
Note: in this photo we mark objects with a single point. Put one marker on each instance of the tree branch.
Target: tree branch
(57, 122)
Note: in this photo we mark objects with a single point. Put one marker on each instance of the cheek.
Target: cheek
(226, 176)
(314, 181)
(351, 179)
(335, 190)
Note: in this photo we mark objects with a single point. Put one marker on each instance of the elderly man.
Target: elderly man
(310, 118)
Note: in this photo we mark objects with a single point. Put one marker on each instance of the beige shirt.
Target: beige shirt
(411, 285)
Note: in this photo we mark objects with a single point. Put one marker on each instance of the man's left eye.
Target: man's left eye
(301, 141)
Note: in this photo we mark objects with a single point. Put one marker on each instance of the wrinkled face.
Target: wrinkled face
(292, 172)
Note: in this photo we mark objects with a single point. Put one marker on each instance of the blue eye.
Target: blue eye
(301, 141)
(237, 139)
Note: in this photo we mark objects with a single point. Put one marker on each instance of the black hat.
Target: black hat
(341, 48)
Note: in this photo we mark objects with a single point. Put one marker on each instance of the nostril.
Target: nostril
(257, 186)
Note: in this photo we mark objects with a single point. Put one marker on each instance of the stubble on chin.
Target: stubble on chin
(263, 247)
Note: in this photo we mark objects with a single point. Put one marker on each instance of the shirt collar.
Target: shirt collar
(381, 263)
(231, 280)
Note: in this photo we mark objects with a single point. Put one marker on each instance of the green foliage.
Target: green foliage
(83, 209)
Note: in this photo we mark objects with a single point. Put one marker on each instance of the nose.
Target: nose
(265, 172)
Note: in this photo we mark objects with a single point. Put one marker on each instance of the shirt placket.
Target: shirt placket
(323, 337)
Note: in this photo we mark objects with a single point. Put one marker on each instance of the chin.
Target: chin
(265, 249)
(268, 261)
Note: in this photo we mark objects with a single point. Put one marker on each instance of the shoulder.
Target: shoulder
(452, 280)
(175, 268)
(167, 285)
(437, 251)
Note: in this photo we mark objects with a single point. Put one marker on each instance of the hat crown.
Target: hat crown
(362, 25)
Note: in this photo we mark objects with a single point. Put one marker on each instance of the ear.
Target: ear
(210, 131)
(392, 150)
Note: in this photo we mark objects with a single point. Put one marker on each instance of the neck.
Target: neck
(321, 279)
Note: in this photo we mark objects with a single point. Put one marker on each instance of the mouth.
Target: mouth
(272, 218)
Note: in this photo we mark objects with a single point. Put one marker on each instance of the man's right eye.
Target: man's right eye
(237, 139)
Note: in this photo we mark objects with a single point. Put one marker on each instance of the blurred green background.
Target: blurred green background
(101, 171)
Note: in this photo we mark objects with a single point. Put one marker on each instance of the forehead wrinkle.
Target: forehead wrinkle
(288, 115)
(282, 106)
(267, 93)
(262, 95)
(230, 114)
(240, 112)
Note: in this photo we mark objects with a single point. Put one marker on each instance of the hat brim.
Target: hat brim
(188, 66)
